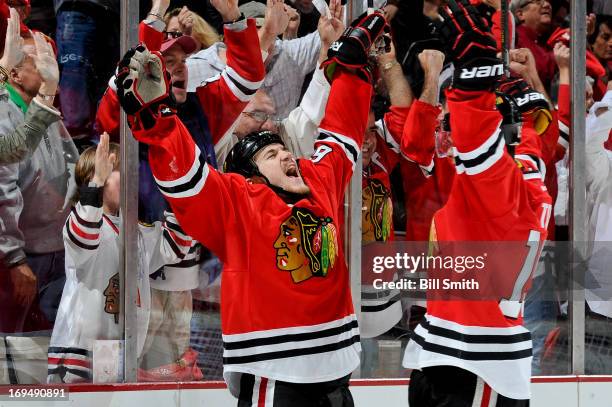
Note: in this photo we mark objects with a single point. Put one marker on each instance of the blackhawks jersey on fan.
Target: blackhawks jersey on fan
(89, 308)
(285, 297)
(380, 309)
(489, 201)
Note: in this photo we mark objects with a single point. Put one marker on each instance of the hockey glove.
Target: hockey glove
(471, 46)
(143, 87)
(527, 101)
(353, 47)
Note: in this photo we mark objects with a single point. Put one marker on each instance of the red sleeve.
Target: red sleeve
(210, 207)
(107, 116)
(564, 115)
(150, 36)
(496, 29)
(225, 96)
(418, 139)
(529, 158)
(342, 130)
(390, 134)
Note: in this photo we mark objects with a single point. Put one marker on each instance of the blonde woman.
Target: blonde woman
(186, 22)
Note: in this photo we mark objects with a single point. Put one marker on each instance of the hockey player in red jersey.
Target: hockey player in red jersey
(289, 329)
(476, 352)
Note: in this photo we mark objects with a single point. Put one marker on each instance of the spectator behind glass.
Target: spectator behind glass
(534, 24)
(189, 23)
(15, 146)
(89, 308)
(33, 205)
(601, 42)
(288, 62)
(88, 47)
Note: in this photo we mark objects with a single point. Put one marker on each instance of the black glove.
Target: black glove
(353, 47)
(143, 87)
(528, 101)
(471, 46)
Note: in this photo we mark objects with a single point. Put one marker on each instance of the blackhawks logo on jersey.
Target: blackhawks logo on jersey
(307, 245)
(112, 293)
(377, 212)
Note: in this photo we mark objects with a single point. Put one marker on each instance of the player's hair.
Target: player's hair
(86, 166)
(319, 240)
(202, 32)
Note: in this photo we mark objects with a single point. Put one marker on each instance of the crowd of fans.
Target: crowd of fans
(59, 135)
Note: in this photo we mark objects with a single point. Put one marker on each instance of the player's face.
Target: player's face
(111, 195)
(175, 59)
(369, 141)
(277, 164)
(602, 47)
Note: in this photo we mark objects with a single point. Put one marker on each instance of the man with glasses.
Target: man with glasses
(534, 24)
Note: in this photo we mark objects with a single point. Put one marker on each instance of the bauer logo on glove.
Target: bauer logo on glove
(143, 87)
(354, 46)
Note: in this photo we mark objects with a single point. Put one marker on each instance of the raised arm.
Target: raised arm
(343, 127)
(205, 202)
(23, 139)
(225, 96)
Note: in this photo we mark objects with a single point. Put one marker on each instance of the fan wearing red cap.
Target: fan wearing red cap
(175, 52)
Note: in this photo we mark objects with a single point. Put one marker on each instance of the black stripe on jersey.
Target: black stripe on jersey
(349, 148)
(274, 340)
(91, 196)
(381, 307)
(375, 295)
(189, 184)
(291, 352)
(471, 338)
(77, 241)
(243, 89)
(173, 245)
(185, 263)
(474, 162)
(62, 370)
(74, 351)
(175, 227)
(86, 223)
(469, 355)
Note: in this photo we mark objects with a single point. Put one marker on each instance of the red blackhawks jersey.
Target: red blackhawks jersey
(380, 309)
(286, 306)
(489, 201)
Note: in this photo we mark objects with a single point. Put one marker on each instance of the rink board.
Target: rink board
(558, 391)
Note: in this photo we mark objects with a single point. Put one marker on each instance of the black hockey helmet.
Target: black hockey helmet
(240, 159)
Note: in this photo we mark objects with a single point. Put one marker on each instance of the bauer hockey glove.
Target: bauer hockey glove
(527, 101)
(471, 46)
(353, 47)
(143, 87)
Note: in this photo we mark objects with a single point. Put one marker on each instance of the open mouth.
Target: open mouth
(179, 84)
(292, 172)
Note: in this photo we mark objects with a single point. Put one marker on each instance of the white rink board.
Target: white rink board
(547, 394)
